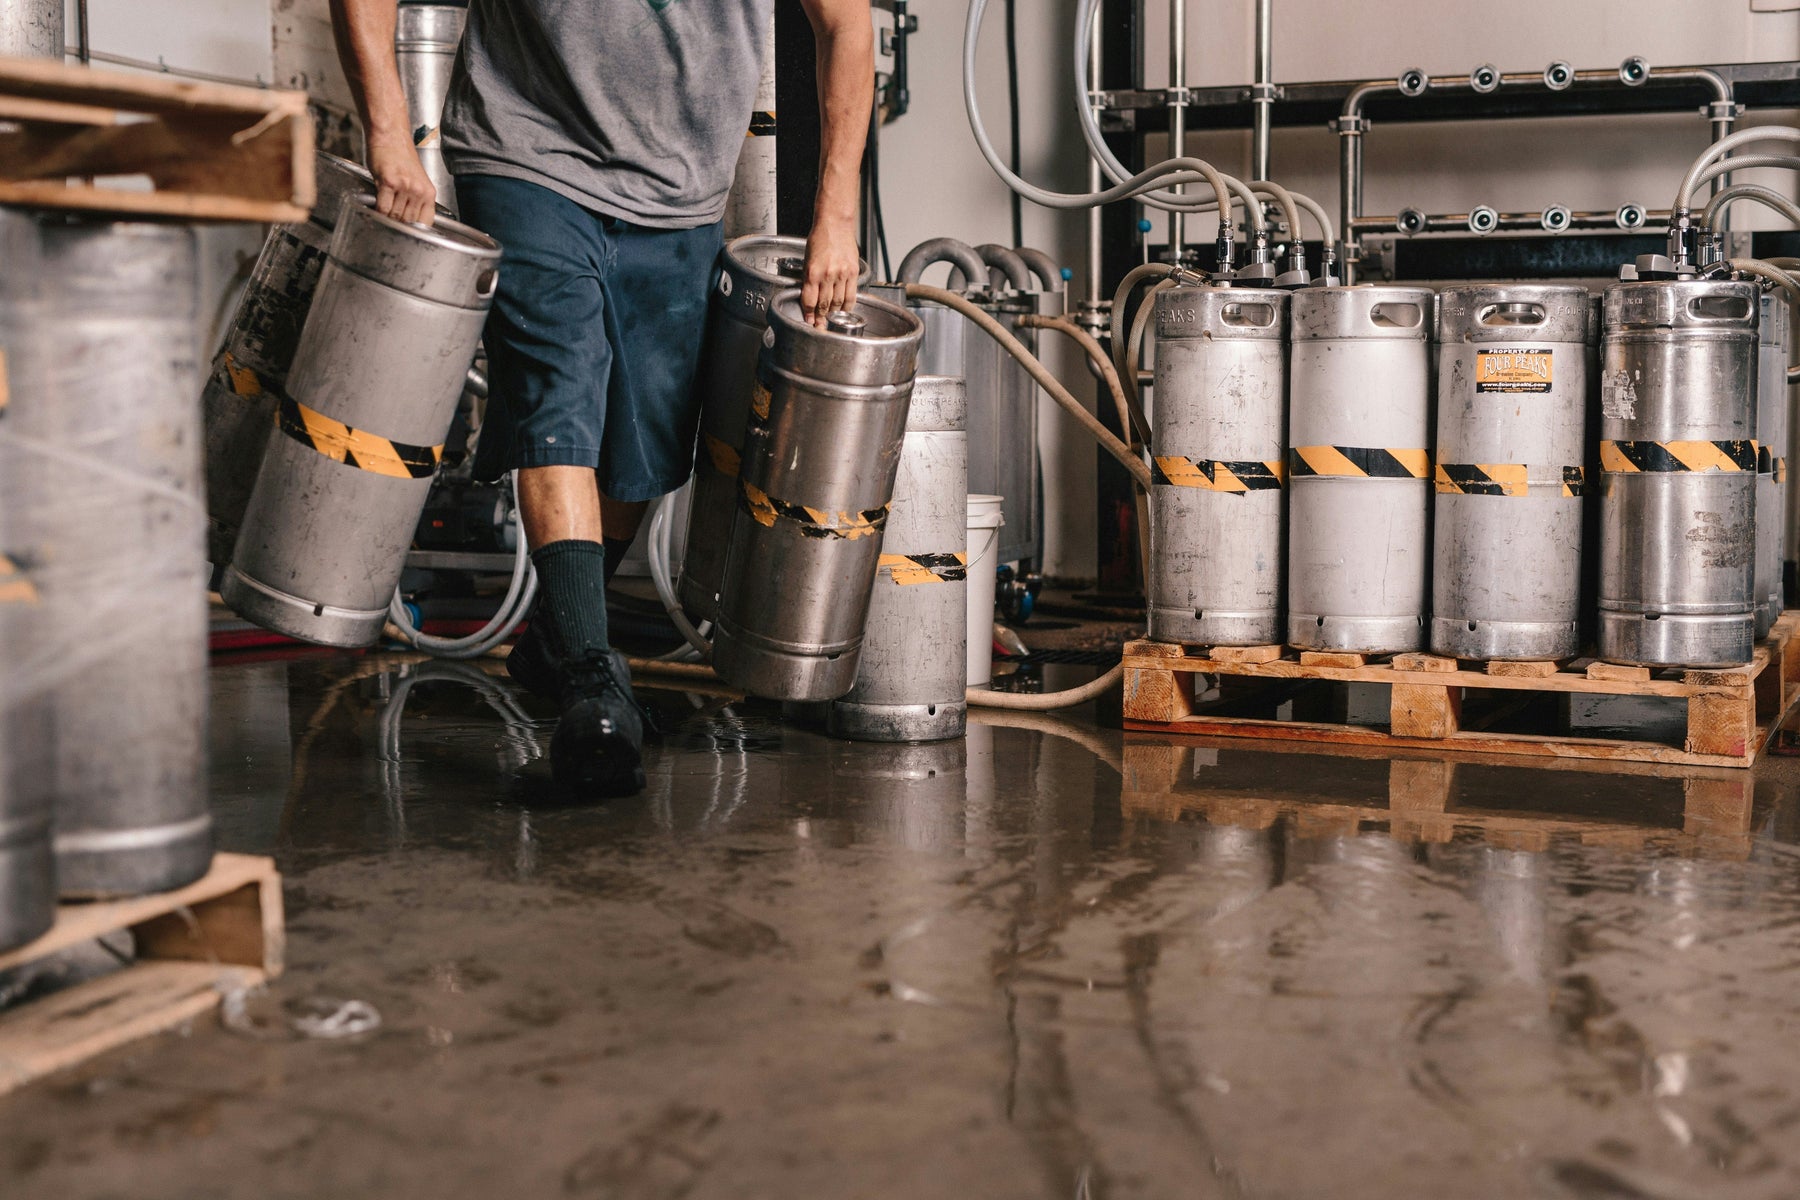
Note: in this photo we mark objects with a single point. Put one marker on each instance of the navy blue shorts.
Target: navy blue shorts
(593, 340)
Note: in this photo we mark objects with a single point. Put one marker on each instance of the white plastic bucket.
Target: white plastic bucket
(985, 520)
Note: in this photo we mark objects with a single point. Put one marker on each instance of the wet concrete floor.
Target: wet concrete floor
(1055, 961)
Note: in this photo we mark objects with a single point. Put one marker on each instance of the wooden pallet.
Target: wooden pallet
(1421, 801)
(193, 945)
(78, 138)
(1730, 713)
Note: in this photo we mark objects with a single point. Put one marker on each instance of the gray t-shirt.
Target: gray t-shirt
(634, 108)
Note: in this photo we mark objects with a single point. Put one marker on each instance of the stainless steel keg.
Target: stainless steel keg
(104, 523)
(375, 381)
(1678, 473)
(1359, 431)
(1775, 348)
(32, 29)
(239, 404)
(425, 40)
(750, 205)
(910, 681)
(1507, 537)
(819, 461)
(1217, 500)
(27, 874)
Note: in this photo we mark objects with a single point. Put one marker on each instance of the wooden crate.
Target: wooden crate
(72, 137)
(1422, 802)
(192, 946)
(1730, 713)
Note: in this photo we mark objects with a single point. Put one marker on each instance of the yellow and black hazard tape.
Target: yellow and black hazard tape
(1770, 463)
(760, 400)
(762, 124)
(1501, 479)
(1217, 475)
(765, 510)
(1662, 458)
(15, 588)
(244, 382)
(725, 460)
(1364, 462)
(910, 569)
(355, 447)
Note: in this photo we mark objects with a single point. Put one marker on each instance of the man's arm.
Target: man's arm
(845, 36)
(365, 40)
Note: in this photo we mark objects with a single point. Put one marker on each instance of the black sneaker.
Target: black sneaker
(598, 748)
(531, 665)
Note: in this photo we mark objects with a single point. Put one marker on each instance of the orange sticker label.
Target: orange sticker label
(1510, 372)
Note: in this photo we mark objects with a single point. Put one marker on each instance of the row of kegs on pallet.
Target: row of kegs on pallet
(1490, 472)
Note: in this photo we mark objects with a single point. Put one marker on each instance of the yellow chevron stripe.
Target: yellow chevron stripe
(906, 572)
(14, 587)
(1417, 461)
(371, 452)
(1613, 459)
(1700, 456)
(1327, 460)
(760, 400)
(762, 509)
(244, 381)
(725, 460)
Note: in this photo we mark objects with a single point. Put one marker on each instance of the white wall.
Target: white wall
(936, 183)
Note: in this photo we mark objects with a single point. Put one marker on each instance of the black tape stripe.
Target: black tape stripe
(355, 448)
(1254, 476)
(762, 124)
(1471, 480)
(1656, 458)
(1574, 481)
(1372, 461)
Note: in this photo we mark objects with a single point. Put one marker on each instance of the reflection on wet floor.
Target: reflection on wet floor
(1052, 960)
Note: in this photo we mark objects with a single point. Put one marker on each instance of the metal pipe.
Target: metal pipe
(84, 45)
(1096, 266)
(1350, 190)
(1177, 112)
(1459, 222)
(1263, 93)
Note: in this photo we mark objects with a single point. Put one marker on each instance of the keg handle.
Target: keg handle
(1512, 314)
(488, 284)
(1397, 316)
(1249, 316)
(1718, 308)
(791, 268)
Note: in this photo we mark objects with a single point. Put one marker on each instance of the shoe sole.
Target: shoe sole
(607, 773)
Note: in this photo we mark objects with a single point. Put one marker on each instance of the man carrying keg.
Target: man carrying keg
(596, 142)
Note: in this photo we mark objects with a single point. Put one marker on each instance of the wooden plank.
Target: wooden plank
(24, 108)
(78, 923)
(1722, 724)
(47, 79)
(1436, 664)
(1540, 668)
(1616, 672)
(1425, 712)
(70, 1026)
(1513, 744)
(89, 198)
(1332, 658)
(1253, 655)
(1157, 696)
(1145, 648)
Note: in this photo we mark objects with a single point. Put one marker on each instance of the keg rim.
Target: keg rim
(444, 232)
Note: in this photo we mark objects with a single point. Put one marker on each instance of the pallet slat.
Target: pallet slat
(193, 945)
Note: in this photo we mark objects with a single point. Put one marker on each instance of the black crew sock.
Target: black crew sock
(616, 550)
(572, 597)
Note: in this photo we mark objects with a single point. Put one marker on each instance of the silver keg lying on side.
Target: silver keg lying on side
(1217, 500)
(425, 40)
(1678, 473)
(1775, 347)
(818, 472)
(1511, 472)
(251, 370)
(375, 381)
(1359, 432)
(910, 681)
(104, 523)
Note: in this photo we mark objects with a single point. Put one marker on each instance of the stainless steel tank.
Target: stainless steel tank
(1507, 535)
(1003, 401)
(375, 381)
(1678, 473)
(910, 681)
(251, 369)
(828, 418)
(1359, 432)
(1775, 347)
(1218, 497)
(32, 29)
(102, 494)
(425, 40)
